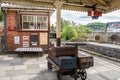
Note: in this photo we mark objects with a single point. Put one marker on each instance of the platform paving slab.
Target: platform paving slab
(95, 77)
(5, 78)
(20, 67)
(16, 72)
(37, 77)
(6, 68)
(110, 75)
(20, 77)
(35, 68)
(3, 73)
(50, 75)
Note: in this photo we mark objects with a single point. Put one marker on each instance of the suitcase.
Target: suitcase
(63, 51)
(66, 62)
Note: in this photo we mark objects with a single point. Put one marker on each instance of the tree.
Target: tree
(64, 23)
(69, 33)
(1, 17)
(52, 27)
(96, 26)
(82, 31)
(73, 24)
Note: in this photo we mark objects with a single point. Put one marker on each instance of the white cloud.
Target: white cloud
(82, 18)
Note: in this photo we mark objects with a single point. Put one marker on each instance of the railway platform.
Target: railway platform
(35, 68)
(110, 50)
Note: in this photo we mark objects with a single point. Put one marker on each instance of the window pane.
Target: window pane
(29, 18)
(25, 25)
(38, 25)
(45, 19)
(31, 26)
(39, 18)
(33, 22)
(44, 25)
(24, 18)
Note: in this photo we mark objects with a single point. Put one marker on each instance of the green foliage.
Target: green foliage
(1, 17)
(96, 26)
(69, 33)
(73, 24)
(72, 39)
(82, 31)
(52, 27)
(64, 23)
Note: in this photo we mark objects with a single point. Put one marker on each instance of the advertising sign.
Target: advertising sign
(113, 27)
(43, 38)
(25, 41)
(16, 40)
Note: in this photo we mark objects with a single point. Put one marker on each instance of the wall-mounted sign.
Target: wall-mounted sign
(25, 41)
(43, 38)
(11, 28)
(113, 27)
(16, 40)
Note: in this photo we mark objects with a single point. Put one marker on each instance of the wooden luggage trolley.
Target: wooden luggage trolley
(66, 61)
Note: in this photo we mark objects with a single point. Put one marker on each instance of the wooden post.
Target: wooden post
(58, 5)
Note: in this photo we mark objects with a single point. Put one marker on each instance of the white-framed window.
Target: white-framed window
(32, 22)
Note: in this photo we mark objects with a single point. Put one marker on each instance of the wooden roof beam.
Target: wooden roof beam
(103, 2)
(83, 5)
(45, 1)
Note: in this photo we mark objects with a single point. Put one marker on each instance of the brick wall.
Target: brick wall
(11, 22)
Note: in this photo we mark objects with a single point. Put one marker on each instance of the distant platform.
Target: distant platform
(111, 50)
(104, 45)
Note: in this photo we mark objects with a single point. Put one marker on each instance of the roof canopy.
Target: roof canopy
(75, 5)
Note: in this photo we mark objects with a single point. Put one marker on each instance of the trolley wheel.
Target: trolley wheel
(40, 54)
(83, 74)
(59, 75)
(49, 66)
(75, 78)
(20, 54)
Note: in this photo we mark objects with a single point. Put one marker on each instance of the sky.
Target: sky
(82, 18)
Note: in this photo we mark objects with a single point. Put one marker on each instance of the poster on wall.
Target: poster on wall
(25, 41)
(16, 40)
(43, 38)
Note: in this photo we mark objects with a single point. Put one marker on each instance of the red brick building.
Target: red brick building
(26, 28)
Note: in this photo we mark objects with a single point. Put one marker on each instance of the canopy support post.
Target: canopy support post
(58, 5)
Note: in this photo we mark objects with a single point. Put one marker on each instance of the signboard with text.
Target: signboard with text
(25, 41)
(113, 27)
(43, 38)
(94, 13)
(16, 40)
